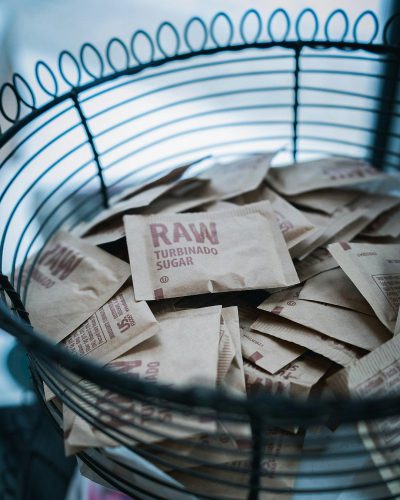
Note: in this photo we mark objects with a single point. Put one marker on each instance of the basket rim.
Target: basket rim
(294, 38)
(255, 405)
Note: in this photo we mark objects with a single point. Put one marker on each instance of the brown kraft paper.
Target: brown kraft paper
(377, 375)
(268, 353)
(233, 378)
(335, 288)
(217, 206)
(328, 229)
(280, 454)
(374, 205)
(230, 377)
(320, 174)
(70, 281)
(295, 380)
(293, 224)
(351, 327)
(177, 204)
(189, 254)
(375, 271)
(108, 226)
(318, 261)
(386, 225)
(118, 326)
(169, 177)
(184, 353)
(281, 328)
(325, 200)
(228, 180)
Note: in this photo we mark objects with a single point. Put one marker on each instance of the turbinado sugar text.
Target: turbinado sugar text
(162, 235)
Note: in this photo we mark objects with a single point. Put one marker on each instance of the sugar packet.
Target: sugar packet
(295, 380)
(375, 271)
(175, 255)
(284, 329)
(108, 225)
(166, 178)
(319, 174)
(316, 262)
(280, 454)
(335, 288)
(268, 353)
(325, 200)
(377, 375)
(228, 180)
(351, 327)
(386, 225)
(69, 282)
(184, 353)
(118, 326)
(293, 223)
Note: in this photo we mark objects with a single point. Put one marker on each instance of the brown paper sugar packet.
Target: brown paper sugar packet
(351, 327)
(176, 255)
(235, 178)
(141, 196)
(118, 326)
(325, 200)
(79, 434)
(70, 281)
(318, 261)
(184, 353)
(226, 352)
(293, 224)
(377, 366)
(384, 435)
(107, 233)
(268, 353)
(175, 202)
(169, 177)
(281, 454)
(108, 225)
(335, 288)
(295, 380)
(284, 329)
(139, 201)
(227, 299)
(328, 229)
(233, 379)
(377, 375)
(374, 205)
(217, 206)
(387, 225)
(375, 271)
(320, 174)
(216, 448)
(230, 377)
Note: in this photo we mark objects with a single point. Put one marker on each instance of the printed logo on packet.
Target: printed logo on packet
(61, 261)
(176, 243)
(339, 172)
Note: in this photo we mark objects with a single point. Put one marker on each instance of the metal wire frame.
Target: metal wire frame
(287, 474)
(88, 396)
(258, 410)
(168, 123)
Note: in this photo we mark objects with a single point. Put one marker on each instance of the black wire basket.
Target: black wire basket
(77, 134)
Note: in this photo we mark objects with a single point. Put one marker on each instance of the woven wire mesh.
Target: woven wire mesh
(104, 119)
